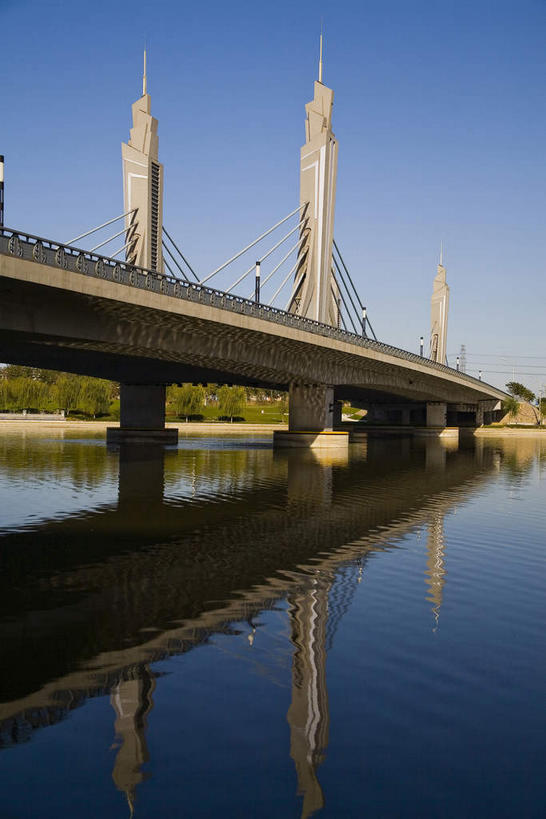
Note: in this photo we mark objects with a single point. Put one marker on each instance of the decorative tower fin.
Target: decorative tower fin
(315, 293)
(143, 186)
(439, 308)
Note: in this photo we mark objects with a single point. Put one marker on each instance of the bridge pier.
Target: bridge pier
(436, 422)
(436, 414)
(142, 416)
(311, 419)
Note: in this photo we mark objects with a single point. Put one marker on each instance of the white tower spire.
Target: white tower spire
(315, 293)
(143, 186)
(320, 56)
(144, 90)
(439, 308)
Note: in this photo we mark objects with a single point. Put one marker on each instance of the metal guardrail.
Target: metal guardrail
(45, 251)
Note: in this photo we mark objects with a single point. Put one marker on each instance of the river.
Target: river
(222, 630)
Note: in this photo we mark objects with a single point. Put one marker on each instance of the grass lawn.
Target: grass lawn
(252, 413)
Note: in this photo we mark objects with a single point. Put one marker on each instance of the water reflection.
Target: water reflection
(436, 572)
(90, 601)
(132, 701)
(308, 715)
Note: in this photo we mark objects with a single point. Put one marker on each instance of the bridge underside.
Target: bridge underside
(76, 323)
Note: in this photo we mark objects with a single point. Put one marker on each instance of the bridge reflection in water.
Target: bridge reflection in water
(124, 586)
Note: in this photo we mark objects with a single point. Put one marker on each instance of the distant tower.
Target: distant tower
(315, 293)
(438, 315)
(143, 186)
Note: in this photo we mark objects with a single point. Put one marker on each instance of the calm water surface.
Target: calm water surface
(223, 630)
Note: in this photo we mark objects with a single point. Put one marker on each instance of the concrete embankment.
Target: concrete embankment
(507, 432)
(212, 428)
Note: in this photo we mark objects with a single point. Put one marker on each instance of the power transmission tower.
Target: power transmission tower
(462, 356)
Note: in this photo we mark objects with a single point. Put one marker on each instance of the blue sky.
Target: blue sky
(439, 112)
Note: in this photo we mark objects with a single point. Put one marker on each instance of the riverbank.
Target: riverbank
(211, 427)
(223, 427)
(509, 432)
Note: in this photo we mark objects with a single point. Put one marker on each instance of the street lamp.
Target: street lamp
(257, 284)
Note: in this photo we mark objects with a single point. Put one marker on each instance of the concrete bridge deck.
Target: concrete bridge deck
(66, 309)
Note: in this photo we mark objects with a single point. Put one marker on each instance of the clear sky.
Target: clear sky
(440, 113)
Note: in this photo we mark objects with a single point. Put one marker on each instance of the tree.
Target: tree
(17, 371)
(524, 394)
(47, 376)
(68, 389)
(520, 391)
(95, 394)
(231, 401)
(187, 399)
(511, 406)
(541, 407)
(4, 394)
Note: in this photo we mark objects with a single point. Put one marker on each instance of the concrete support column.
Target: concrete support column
(481, 410)
(311, 408)
(142, 416)
(142, 406)
(436, 414)
(311, 418)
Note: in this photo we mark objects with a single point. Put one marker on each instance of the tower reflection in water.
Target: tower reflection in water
(308, 545)
(315, 609)
(132, 702)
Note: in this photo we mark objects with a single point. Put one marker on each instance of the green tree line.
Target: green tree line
(35, 390)
(32, 389)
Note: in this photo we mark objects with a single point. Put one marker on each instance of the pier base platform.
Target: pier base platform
(326, 439)
(437, 432)
(166, 436)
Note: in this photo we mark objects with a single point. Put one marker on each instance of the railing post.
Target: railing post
(257, 284)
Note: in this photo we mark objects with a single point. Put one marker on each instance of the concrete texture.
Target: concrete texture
(167, 436)
(310, 440)
(437, 432)
(436, 414)
(311, 408)
(142, 406)
(142, 417)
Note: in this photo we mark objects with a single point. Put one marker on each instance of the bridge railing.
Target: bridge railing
(45, 251)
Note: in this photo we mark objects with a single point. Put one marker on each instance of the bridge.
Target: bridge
(148, 320)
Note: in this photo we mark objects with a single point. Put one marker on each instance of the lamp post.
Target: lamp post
(364, 322)
(421, 346)
(257, 283)
(458, 363)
